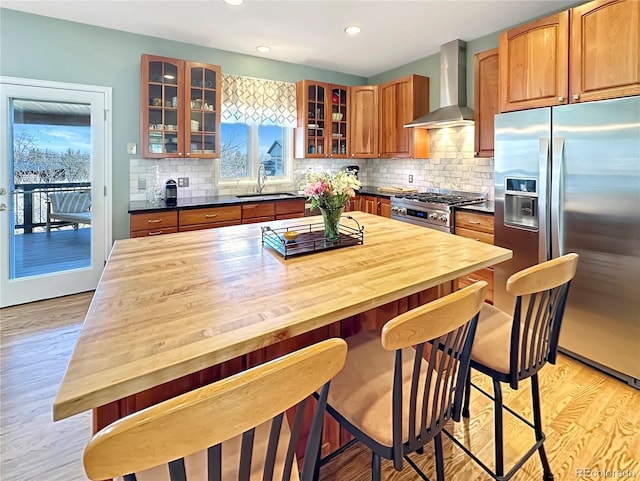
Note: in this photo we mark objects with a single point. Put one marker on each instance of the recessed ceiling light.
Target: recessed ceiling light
(353, 30)
(263, 49)
(234, 2)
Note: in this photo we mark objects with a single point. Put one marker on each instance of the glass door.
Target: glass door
(53, 215)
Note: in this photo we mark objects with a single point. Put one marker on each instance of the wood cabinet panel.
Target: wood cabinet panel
(293, 215)
(478, 226)
(486, 101)
(354, 203)
(534, 64)
(481, 275)
(258, 210)
(155, 221)
(209, 215)
(476, 235)
(364, 121)
(212, 225)
(605, 50)
(384, 207)
(152, 232)
(290, 207)
(376, 205)
(474, 220)
(401, 101)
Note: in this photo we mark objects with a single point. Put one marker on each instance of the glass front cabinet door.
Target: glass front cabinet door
(180, 108)
(202, 91)
(323, 114)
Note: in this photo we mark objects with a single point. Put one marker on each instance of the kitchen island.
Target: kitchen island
(177, 311)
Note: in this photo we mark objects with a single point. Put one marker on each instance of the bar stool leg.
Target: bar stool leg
(467, 395)
(537, 421)
(375, 467)
(499, 443)
(437, 445)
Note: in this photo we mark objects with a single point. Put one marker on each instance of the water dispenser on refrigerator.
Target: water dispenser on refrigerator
(521, 203)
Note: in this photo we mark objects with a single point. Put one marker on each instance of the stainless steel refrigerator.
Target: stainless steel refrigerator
(567, 179)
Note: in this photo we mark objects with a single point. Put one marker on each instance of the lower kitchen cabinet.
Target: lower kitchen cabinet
(184, 219)
(376, 205)
(354, 203)
(155, 223)
(208, 217)
(290, 209)
(477, 226)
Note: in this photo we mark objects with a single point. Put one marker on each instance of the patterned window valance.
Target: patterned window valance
(255, 101)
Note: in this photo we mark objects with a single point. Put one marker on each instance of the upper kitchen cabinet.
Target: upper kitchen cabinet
(534, 64)
(605, 50)
(180, 108)
(486, 100)
(541, 66)
(363, 121)
(401, 101)
(323, 120)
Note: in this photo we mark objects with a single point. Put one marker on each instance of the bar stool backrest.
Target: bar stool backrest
(201, 420)
(541, 293)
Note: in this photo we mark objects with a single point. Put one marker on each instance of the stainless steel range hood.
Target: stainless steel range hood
(453, 90)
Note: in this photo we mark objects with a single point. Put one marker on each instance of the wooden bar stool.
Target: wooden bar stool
(397, 390)
(510, 348)
(234, 429)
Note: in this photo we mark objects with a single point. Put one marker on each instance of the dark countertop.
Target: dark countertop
(141, 206)
(486, 207)
(372, 190)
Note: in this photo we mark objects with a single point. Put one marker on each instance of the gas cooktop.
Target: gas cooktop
(453, 198)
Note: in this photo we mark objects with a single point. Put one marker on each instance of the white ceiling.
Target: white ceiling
(306, 32)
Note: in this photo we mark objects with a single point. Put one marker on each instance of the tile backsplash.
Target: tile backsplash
(451, 166)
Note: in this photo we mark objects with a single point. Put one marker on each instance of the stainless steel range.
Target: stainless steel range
(431, 209)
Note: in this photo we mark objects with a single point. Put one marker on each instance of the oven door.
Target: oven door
(420, 222)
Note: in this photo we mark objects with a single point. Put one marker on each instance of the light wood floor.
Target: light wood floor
(592, 420)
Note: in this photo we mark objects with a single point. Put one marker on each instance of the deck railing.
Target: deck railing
(30, 201)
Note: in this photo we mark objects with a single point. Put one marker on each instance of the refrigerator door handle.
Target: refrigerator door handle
(557, 189)
(543, 199)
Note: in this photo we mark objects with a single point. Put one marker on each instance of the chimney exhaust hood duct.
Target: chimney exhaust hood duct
(453, 90)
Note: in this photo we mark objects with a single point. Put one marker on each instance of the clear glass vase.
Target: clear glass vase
(331, 217)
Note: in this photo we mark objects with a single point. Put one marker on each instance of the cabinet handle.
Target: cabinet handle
(154, 221)
(157, 232)
(472, 279)
(179, 154)
(561, 99)
(473, 222)
(576, 96)
(188, 154)
(211, 216)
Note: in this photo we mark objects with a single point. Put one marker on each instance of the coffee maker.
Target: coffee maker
(171, 193)
(353, 169)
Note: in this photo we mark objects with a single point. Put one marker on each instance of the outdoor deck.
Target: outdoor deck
(65, 249)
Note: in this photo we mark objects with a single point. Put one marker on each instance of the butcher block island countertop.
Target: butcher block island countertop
(172, 305)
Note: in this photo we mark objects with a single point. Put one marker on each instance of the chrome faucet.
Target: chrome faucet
(262, 177)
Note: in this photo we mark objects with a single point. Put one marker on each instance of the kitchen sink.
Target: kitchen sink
(277, 195)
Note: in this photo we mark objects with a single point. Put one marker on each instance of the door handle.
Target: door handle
(557, 185)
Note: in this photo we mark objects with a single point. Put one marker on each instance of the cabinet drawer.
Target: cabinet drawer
(481, 275)
(185, 228)
(290, 207)
(255, 220)
(474, 221)
(153, 221)
(476, 235)
(209, 215)
(293, 215)
(263, 209)
(151, 232)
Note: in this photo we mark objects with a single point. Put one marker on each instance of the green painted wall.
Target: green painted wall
(32, 46)
(430, 67)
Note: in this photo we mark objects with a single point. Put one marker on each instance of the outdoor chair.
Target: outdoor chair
(398, 389)
(511, 348)
(233, 429)
(74, 207)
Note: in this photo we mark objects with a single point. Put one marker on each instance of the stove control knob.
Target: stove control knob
(402, 211)
(433, 216)
(443, 218)
(394, 210)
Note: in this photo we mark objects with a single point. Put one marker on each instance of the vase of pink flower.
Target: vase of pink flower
(330, 192)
